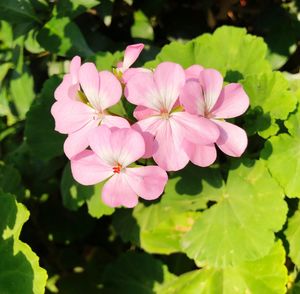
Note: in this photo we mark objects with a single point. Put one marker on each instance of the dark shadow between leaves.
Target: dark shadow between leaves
(233, 76)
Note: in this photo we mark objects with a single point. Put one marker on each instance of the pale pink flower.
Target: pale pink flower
(112, 151)
(205, 96)
(70, 83)
(76, 116)
(158, 114)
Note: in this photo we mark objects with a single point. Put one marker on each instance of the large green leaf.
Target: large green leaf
(135, 273)
(241, 225)
(63, 37)
(266, 275)
(19, 265)
(282, 154)
(74, 8)
(292, 234)
(242, 55)
(271, 98)
(141, 28)
(39, 129)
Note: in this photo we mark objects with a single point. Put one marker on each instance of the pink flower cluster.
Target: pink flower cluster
(180, 118)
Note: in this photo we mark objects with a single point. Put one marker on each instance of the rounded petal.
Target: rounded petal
(78, 141)
(141, 90)
(211, 82)
(100, 142)
(130, 72)
(127, 145)
(90, 83)
(193, 71)
(232, 102)
(110, 90)
(62, 91)
(202, 155)
(170, 154)
(147, 182)
(71, 115)
(116, 191)
(169, 78)
(196, 129)
(74, 68)
(233, 139)
(88, 169)
(142, 112)
(131, 54)
(115, 121)
(192, 99)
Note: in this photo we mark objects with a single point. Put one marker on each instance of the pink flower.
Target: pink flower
(112, 151)
(205, 96)
(156, 95)
(84, 111)
(70, 84)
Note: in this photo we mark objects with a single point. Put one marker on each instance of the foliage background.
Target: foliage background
(230, 228)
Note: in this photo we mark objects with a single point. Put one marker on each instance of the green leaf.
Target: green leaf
(242, 55)
(106, 60)
(18, 12)
(265, 275)
(31, 43)
(292, 234)
(241, 225)
(4, 68)
(280, 148)
(74, 8)
(19, 265)
(141, 28)
(63, 37)
(271, 98)
(22, 90)
(135, 273)
(39, 128)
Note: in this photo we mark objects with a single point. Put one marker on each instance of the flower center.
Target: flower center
(164, 114)
(117, 169)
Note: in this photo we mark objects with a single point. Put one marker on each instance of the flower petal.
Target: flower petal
(115, 121)
(88, 169)
(170, 154)
(71, 115)
(233, 139)
(169, 78)
(127, 145)
(147, 182)
(232, 102)
(211, 81)
(192, 99)
(193, 71)
(131, 54)
(110, 90)
(74, 68)
(202, 155)
(130, 72)
(90, 83)
(62, 90)
(142, 112)
(196, 129)
(116, 191)
(141, 90)
(78, 141)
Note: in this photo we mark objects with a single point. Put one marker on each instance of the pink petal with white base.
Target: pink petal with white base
(169, 78)
(211, 82)
(233, 101)
(71, 115)
(193, 71)
(201, 155)
(170, 154)
(88, 169)
(131, 54)
(127, 146)
(117, 192)
(142, 112)
(148, 182)
(195, 129)
(233, 139)
(90, 83)
(192, 99)
(78, 141)
(142, 91)
(110, 90)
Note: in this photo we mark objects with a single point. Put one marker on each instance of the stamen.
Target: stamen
(164, 113)
(117, 169)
